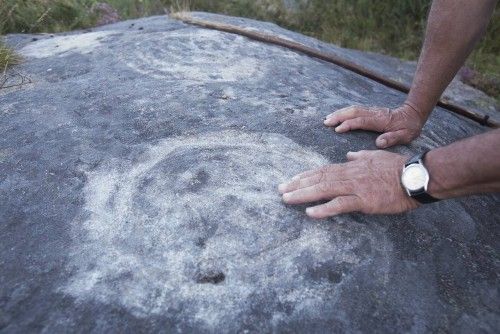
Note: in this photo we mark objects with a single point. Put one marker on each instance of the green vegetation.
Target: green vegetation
(31, 16)
(393, 27)
(7, 58)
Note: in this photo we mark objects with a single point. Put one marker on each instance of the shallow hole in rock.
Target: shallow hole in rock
(211, 277)
(201, 242)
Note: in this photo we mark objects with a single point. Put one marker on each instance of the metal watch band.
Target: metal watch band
(420, 195)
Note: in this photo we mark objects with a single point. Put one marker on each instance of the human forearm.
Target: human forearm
(453, 28)
(466, 167)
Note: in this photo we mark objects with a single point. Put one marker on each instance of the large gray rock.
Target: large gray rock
(393, 68)
(138, 176)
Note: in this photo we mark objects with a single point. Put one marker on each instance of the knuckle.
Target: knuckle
(354, 110)
(341, 201)
(322, 177)
(342, 204)
(347, 124)
(343, 111)
(325, 187)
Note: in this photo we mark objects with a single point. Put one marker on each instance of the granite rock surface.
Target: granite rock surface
(138, 175)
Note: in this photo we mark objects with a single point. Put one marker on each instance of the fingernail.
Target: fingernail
(329, 121)
(286, 197)
(338, 128)
(282, 187)
(310, 211)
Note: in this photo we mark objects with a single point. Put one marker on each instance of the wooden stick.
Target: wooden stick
(331, 58)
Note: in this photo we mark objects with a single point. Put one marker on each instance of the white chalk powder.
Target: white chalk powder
(202, 56)
(59, 45)
(196, 223)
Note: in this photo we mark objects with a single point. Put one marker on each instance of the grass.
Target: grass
(32, 16)
(393, 27)
(7, 58)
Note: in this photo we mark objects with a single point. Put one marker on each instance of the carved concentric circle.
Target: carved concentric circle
(195, 225)
(200, 56)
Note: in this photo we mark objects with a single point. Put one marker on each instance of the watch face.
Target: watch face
(414, 177)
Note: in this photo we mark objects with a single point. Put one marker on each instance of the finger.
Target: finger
(325, 174)
(349, 112)
(320, 191)
(344, 114)
(305, 174)
(338, 205)
(371, 122)
(389, 139)
(300, 183)
(351, 156)
(337, 169)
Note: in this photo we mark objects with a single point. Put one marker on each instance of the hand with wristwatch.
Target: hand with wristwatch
(380, 182)
(415, 179)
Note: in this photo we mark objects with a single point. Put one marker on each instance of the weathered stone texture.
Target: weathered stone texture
(138, 177)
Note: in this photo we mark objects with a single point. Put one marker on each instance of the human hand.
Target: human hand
(399, 126)
(368, 183)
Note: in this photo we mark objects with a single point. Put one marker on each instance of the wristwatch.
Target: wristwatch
(415, 179)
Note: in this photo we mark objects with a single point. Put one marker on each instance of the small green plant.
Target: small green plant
(7, 58)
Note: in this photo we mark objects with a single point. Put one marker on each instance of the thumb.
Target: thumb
(389, 139)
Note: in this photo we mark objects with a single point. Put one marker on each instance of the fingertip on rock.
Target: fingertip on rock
(329, 121)
(382, 143)
(314, 213)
